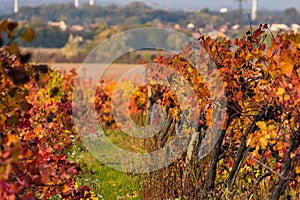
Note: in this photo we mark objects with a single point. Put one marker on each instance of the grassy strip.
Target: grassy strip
(106, 182)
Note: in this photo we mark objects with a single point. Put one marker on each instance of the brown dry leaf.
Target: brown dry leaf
(28, 35)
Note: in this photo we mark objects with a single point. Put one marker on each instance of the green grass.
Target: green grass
(106, 182)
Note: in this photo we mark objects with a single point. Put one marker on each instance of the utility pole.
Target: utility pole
(91, 2)
(16, 6)
(254, 10)
(240, 11)
(76, 3)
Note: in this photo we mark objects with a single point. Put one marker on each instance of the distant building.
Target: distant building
(277, 27)
(62, 25)
(159, 25)
(190, 26)
(295, 28)
(223, 10)
(177, 27)
(223, 28)
(217, 34)
(235, 27)
(77, 28)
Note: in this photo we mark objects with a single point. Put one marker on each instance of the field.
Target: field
(114, 70)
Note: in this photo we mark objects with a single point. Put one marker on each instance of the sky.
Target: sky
(217, 4)
(182, 4)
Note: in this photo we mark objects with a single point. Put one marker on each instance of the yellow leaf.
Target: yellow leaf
(255, 152)
(248, 56)
(250, 140)
(263, 143)
(76, 185)
(280, 91)
(273, 135)
(2, 118)
(12, 139)
(190, 69)
(261, 125)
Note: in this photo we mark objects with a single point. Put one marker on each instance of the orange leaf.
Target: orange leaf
(287, 68)
(297, 169)
(239, 95)
(37, 130)
(208, 118)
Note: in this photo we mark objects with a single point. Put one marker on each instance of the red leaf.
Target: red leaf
(262, 47)
(236, 41)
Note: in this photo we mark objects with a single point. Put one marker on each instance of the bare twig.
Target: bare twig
(250, 23)
(268, 168)
(260, 178)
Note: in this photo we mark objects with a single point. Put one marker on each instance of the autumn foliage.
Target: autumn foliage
(35, 125)
(262, 88)
(257, 152)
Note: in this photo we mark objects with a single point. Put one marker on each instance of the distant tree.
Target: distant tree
(291, 16)
(72, 49)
